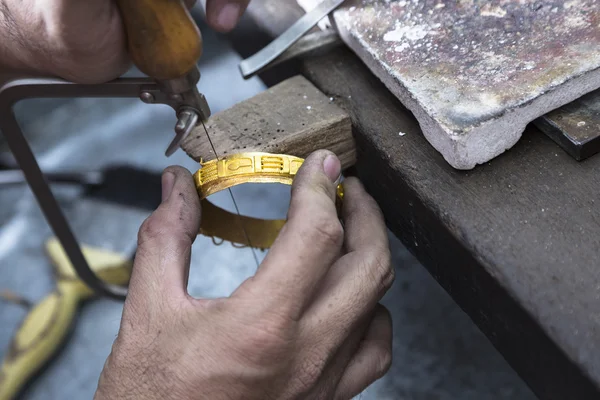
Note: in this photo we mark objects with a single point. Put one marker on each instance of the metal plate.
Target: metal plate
(576, 126)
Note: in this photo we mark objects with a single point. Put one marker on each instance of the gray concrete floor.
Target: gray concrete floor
(438, 352)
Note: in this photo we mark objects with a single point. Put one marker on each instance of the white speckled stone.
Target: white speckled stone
(475, 73)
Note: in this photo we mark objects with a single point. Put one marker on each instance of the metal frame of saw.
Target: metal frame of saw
(20, 89)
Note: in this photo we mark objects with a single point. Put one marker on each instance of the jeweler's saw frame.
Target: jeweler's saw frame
(20, 89)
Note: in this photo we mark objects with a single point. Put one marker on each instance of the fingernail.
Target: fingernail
(332, 167)
(228, 16)
(168, 181)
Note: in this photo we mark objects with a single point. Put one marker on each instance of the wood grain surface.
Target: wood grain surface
(292, 118)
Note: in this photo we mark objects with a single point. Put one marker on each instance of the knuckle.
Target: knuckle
(268, 340)
(328, 230)
(151, 228)
(157, 226)
(380, 267)
(310, 372)
(383, 363)
(325, 187)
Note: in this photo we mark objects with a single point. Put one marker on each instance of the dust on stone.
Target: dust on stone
(461, 49)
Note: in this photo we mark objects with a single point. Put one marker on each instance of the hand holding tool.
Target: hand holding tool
(165, 44)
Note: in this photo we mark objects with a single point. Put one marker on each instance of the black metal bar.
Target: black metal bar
(575, 126)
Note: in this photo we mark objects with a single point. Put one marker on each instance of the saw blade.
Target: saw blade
(237, 209)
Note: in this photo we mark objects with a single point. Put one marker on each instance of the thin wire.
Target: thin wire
(233, 199)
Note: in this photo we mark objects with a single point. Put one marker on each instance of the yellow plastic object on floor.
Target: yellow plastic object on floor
(48, 323)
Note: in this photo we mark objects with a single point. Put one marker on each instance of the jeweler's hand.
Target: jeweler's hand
(79, 40)
(223, 15)
(307, 325)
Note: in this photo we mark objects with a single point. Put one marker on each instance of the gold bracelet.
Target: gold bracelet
(217, 175)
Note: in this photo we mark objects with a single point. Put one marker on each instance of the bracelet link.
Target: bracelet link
(217, 175)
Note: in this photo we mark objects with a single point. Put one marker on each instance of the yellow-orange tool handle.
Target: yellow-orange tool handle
(163, 40)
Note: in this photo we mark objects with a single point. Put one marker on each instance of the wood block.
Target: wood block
(292, 118)
(475, 73)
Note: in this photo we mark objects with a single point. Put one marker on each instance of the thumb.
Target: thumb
(162, 261)
(223, 15)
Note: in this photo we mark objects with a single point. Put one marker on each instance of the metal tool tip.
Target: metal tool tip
(173, 146)
(171, 149)
(186, 122)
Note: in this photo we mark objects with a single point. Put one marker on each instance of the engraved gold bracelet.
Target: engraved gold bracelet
(236, 169)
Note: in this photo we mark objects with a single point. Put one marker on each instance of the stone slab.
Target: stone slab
(475, 72)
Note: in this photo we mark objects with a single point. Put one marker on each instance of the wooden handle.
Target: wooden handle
(164, 42)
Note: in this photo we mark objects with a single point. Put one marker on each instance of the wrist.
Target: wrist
(134, 377)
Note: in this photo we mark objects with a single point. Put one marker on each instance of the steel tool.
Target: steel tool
(276, 50)
(165, 44)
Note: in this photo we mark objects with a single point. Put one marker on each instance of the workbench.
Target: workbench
(515, 241)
